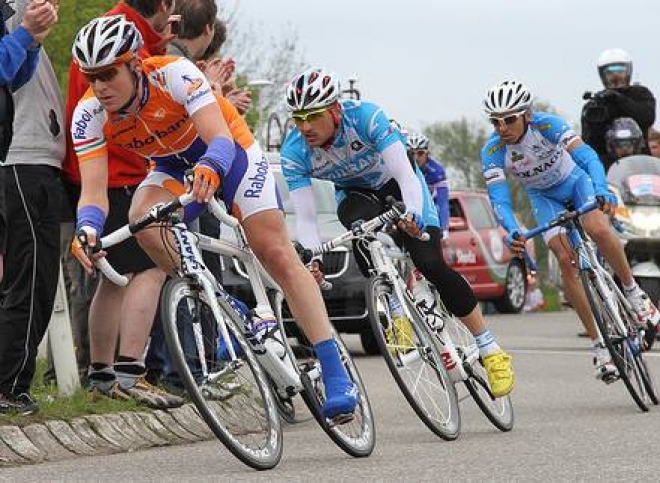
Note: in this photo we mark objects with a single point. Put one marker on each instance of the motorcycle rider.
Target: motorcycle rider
(619, 98)
(623, 138)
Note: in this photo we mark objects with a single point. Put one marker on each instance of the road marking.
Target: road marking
(578, 351)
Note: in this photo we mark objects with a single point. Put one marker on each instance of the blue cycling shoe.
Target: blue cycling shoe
(341, 398)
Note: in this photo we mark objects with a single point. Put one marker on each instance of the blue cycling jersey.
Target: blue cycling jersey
(436, 179)
(540, 161)
(355, 157)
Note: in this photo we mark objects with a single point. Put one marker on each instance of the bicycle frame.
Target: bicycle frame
(283, 372)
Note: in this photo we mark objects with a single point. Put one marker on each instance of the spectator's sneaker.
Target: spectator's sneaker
(110, 389)
(22, 404)
(341, 399)
(605, 370)
(152, 396)
(643, 307)
(500, 373)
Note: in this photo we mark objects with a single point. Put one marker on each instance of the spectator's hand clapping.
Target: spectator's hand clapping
(241, 99)
(39, 18)
(219, 71)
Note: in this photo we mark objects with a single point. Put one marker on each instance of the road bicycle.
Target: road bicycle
(426, 349)
(614, 316)
(239, 382)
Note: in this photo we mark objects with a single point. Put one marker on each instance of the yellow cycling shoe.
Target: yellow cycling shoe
(405, 339)
(500, 373)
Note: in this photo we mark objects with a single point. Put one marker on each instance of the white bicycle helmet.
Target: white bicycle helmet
(417, 141)
(614, 58)
(313, 89)
(507, 97)
(105, 40)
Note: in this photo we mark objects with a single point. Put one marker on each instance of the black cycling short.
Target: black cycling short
(127, 256)
(364, 204)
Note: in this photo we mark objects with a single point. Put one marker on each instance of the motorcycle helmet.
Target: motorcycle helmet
(623, 138)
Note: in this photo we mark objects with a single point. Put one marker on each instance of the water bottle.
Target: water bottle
(264, 327)
(223, 351)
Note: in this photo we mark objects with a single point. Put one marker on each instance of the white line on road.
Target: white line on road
(576, 352)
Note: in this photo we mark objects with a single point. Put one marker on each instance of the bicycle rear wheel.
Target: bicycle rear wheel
(414, 360)
(356, 437)
(499, 411)
(624, 345)
(234, 397)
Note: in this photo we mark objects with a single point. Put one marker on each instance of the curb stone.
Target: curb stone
(8, 457)
(170, 423)
(188, 418)
(46, 442)
(84, 430)
(94, 435)
(20, 444)
(141, 428)
(68, 438)
(127, 432)
(154, 424)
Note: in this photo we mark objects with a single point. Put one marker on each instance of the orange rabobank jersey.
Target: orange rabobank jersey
(161, 131)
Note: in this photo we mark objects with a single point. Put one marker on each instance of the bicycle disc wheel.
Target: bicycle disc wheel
(234, 397)
(414, 360)
(499, 411)
(356, 437)
(624, 347)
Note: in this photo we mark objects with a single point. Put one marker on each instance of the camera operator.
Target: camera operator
(618, 99)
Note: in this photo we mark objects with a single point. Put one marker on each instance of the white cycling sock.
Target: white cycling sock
(486, 343)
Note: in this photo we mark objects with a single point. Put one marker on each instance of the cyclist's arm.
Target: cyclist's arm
(396, 162)
(492, 159)
(441, 197)
(587, 159)
(307, 227)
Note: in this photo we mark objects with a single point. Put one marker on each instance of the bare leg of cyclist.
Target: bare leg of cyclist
(267, 235)
(104, 322)
(572, 285)
(598, 227)
(578, 299)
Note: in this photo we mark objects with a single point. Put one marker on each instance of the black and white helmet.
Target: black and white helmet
(313, 89)
(417, 141)
(624, 132)
(507, 97)
(104, 41)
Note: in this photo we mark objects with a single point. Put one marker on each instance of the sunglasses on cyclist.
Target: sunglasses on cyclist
(508, 120)
(308, 116)
(419, 152)
(105, 75)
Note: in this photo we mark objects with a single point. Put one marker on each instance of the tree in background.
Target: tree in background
(73, 15)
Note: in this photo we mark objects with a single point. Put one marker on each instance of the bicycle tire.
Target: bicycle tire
(618, 345)
(446, 422)
(266, 452)
(357, 437)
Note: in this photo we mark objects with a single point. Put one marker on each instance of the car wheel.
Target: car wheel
(515, 290)
(369, 343)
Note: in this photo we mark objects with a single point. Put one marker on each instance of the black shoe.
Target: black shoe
(22, 404)
(650, 335)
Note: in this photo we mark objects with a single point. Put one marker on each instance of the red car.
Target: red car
(476, 250)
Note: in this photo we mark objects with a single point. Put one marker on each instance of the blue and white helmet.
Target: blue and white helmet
(507, 97)
(313, 89)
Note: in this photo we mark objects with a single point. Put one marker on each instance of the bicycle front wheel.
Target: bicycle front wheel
(414, 361)
(233, 396)
(623, 343)
(499, 411)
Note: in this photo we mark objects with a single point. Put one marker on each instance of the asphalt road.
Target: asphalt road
(569, 427)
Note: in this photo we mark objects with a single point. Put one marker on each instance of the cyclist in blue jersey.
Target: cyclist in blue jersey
(555, 166)
(352, 144)
(434, 175)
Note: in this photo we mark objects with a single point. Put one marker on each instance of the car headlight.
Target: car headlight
(644, 223)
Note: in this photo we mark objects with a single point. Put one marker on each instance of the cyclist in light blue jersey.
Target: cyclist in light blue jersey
(354, 145)
(434, 174)
(555, 166)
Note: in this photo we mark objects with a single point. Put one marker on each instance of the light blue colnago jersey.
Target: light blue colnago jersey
(539, 161)
(354, 160)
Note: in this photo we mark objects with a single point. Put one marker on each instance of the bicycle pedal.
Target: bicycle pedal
(340, 419)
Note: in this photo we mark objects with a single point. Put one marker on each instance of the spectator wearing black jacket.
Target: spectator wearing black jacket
(618, 99)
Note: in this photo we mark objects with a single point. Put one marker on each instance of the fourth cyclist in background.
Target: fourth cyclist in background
(352, 144)
(553, 163)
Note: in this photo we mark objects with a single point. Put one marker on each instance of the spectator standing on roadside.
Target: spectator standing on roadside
(128, 312)
(654, 142)
(29, 195)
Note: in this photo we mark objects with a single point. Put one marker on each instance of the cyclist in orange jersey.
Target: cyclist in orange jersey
(164, 109)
